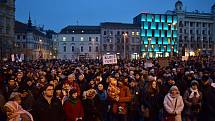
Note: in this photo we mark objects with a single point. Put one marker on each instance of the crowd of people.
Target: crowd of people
(66, 90)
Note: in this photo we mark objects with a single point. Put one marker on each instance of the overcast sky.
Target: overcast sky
(56, 14)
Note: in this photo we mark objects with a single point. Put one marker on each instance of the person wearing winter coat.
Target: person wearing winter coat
(120, 105)
(152, 101)
(47, 107)
(173, 104)
(102, 103)
(73, 107)
(192, 99)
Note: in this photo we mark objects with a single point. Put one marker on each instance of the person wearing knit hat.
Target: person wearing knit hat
(192, 99)
(173, 105)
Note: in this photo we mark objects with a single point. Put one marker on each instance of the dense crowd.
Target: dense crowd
(66, 90)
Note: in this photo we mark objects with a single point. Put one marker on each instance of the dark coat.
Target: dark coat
(73, 111)
(208, 107)
(43, 111)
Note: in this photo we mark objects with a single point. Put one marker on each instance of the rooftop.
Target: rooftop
(81, 30)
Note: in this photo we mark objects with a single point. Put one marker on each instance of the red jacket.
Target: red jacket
(73, 111)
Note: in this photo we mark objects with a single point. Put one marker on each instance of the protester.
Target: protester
(73, 108)
(47, 107)
(173, 105)
(192, 99)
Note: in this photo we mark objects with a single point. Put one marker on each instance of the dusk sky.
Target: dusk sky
(56, 14)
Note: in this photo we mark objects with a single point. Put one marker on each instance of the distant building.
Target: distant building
(196, 31)
(120, 38)
(7, 20)
(79, 42)
(31, 42)
(158, 34)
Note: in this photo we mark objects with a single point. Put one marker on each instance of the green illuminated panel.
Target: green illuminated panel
(157, 49)
(169, 33)
(153, 41)
(165, 26)
(162, 49)
(149, 33)
(157, 33)
(163, 18)
(175, 49)
(150, 48)
(159, 40)
(168, 48)
(146, 25)
(165, 41)
(160, 26)
(175, 19)
(174, 33)
(143, 18)
(143, 48)
(153, 25)
(149, 18)
(143, 33)
(162, 33)
(146, 40)
(157, 18)
(169, 19)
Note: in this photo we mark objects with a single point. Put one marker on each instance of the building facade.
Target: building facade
(79, 42)
(121, 39)
(158, 34)
(7, 20)
(31, 42)
(196, 31)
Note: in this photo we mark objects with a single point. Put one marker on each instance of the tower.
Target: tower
(213, 9)
(29, 21)
(178, 5)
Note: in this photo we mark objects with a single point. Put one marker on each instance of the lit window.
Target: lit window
(64, 38)
(137, 33)
(82, 38)
(82, 31)
(132, 33)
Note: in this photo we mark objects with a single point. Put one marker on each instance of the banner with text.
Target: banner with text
(109, 59)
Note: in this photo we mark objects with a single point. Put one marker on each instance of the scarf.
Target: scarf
(193, 92)
(73, 101)
(213, 85)
(17, 110)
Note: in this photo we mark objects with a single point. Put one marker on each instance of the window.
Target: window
(132, 33)
(191, 31)
(133, 40)
(105, 47)
(82, 49)
(105, 33)
(137, 33)
(73, 48)
(111, 47)
(64, 48)
(64, 38)
(97, 49)
(18, 37)
(90, 49)
(82, 38)
(24, 37)
(118, 32)
(180, 30)
(90, 39)
(97, 39)
(73, 38)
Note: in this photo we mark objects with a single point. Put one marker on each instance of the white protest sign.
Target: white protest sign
(12, 57)
(109, 59)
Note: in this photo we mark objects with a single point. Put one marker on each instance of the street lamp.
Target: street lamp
(124, 36)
